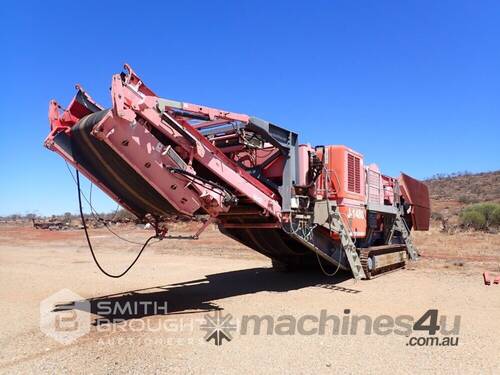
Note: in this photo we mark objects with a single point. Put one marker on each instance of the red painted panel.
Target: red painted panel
(417, 194)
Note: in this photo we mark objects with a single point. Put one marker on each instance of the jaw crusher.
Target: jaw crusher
(299, 205)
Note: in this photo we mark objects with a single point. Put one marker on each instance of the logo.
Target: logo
(218, 327)
(65, 316)
(355, 213)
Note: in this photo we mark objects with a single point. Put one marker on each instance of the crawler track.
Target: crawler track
(375, 264)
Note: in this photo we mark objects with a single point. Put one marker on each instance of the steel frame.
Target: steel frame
(134, 102)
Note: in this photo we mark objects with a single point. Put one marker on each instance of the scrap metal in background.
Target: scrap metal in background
(297, 204)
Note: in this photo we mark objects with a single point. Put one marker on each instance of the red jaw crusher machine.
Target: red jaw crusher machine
(299, 205)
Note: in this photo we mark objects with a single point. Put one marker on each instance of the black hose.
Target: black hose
(95, 214)
(90, 244)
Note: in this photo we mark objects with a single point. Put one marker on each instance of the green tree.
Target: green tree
(67, 217)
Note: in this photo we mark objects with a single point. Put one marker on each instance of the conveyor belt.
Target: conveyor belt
(274, 243)
(111, 170)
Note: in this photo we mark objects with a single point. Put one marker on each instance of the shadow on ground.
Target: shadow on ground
(198, 295)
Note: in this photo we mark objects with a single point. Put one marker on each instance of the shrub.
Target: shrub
(437, 216)
(487, 209)
(481, 216)
(495, 216)
(473, 219)
(464, 199)
(124, 215)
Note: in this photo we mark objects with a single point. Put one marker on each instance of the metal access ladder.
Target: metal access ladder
(349, 247)
(400, 226)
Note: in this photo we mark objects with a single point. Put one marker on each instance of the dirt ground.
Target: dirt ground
(213, 274)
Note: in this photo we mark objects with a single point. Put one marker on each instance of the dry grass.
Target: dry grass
(469, 251)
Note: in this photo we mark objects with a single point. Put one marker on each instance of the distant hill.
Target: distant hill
(451, 193)
(465, 188)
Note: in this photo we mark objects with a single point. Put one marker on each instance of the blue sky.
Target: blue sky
(413, 85)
